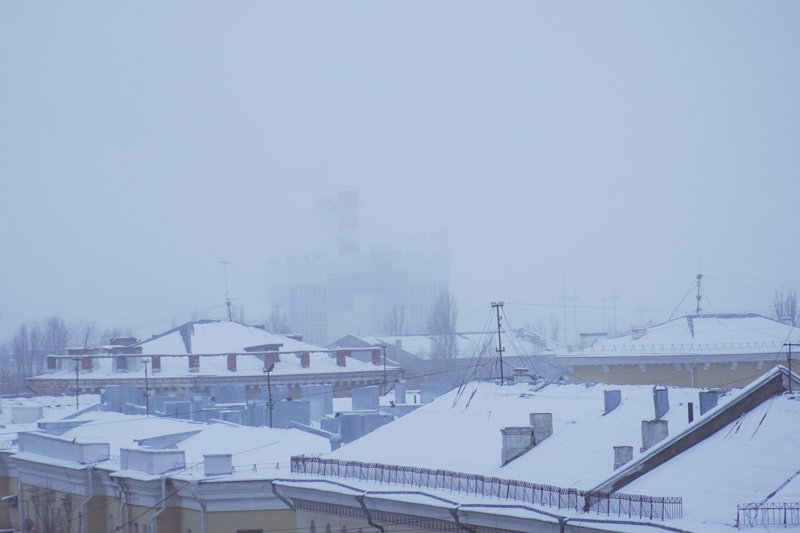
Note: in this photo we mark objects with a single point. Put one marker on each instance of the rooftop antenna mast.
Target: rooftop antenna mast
(227, 296)
(500, 349)
(699, 296)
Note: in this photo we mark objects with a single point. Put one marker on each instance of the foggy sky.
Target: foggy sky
(141, 143)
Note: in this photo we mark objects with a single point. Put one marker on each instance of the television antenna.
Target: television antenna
(227, 295)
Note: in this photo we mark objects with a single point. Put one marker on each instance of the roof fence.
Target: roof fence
(767, 514)
(717, 347)
(593, 502)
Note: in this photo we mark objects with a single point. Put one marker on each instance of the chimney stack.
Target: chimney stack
(232, 362)
(708, 400)
(542, 425)
(305, 359)
(611, 400)
(218, 464)
(660, 401)
(653, 432)
(622, 455)
(516, 441)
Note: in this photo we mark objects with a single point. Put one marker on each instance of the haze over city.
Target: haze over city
(586, 149)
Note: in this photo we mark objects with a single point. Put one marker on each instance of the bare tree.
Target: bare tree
(51, 513)
(395, 322)
(277, 322)
(785, 304)
(442, 325)
(55, 336)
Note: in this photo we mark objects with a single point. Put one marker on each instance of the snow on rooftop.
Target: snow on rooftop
(519, 342)
(266, 448)
(461, 432)
(705, 333)
(218, 337)
(53, 408)
(214, 336)
(742, 463)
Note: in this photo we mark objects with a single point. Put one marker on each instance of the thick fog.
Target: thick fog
(578, 149)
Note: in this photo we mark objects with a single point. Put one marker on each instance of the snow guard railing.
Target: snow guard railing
(767, 514)
(601, 503)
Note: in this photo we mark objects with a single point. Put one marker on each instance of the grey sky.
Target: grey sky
(140, 143)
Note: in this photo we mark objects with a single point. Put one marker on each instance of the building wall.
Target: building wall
(8, 486)
(268, 520)
(712, 375)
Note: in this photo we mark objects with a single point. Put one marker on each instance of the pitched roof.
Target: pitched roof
(735, 333)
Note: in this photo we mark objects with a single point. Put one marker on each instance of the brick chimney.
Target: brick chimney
(86, 363)
(156, 364)
(341, 357)
(232, 362)
(194, 363)
(376, 356)
(305, 359)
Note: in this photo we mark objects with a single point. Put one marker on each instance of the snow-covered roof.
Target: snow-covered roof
(255, 451)
(460, 431)
(216, 336)
(729, 333)
(518, 342)
(52, 407)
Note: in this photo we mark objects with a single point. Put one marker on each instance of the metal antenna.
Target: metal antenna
(227, 296)
(270, 402)
(789, 360)
(500, 349)
(77, 389)
(699, 296)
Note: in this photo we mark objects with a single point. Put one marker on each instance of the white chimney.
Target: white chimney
(516, 441)
(217, 464)
(542, 425)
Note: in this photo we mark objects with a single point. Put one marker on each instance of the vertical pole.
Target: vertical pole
(383, 348)
(789, 360)
(500, 349)
(699, 296)
(77, 390)
(146, 389)
(270, 403)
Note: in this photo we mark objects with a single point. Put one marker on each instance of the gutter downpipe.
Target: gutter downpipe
(202, 506)
(123, 500)
(89, 496)
(360, 500)
(154, 519)
(280, 496)
(459, 525)
(20, 498)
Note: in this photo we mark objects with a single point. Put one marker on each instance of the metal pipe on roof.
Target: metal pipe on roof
(154, 519)
(360, 500)
(201, 503)
(89, 496)
(123, 500)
